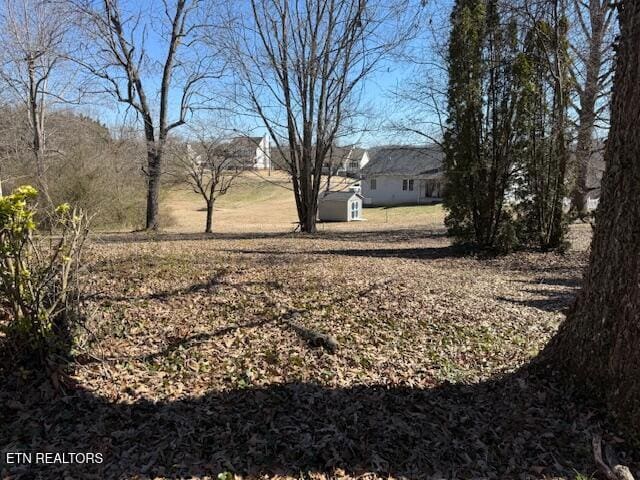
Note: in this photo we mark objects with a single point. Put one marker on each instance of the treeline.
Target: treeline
(86, 165)
(515, 85)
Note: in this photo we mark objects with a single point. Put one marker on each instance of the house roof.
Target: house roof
(404, 160)
(341, 196)
(253, 141)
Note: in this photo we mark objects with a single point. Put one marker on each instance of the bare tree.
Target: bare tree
(208, 166)
(300, 66)
(592, 52)
(117, 54)
(35, 40)
(420, 98)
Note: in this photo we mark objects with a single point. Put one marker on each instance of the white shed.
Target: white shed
(340, 206)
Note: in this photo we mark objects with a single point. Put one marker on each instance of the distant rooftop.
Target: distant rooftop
(404, 160)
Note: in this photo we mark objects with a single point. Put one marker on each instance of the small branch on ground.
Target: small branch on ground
(312, 337)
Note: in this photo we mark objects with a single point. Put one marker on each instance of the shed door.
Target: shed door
(355, 210)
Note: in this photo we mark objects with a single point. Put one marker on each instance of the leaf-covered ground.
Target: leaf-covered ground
(191, 372)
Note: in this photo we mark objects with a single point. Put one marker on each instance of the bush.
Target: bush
(507, 237)
(39, 277)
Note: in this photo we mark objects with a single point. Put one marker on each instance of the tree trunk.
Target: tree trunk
(584, 145)
(598, 343)
(208, 228)
(308, 220)
(588, 97)
(154, 162)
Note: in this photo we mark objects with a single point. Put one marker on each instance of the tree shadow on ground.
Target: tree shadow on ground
(383, 236)
(207, 286)
(551, 294)
(432, 253)
(521, 425)
(551, 301)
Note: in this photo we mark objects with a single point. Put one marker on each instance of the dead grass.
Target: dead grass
(264, 203)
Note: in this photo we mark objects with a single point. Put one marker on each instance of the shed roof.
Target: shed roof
(341, 196)
(404, 160)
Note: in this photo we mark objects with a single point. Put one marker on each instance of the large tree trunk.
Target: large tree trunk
(588, 97)
(599, 343)
(584, 146)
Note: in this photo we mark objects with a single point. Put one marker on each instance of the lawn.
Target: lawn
(197, 360)
(265, 203)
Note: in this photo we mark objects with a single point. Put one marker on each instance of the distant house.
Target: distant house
(344, 161)
(252, 153)
(343, 206)
(397, 175)
(348, 161)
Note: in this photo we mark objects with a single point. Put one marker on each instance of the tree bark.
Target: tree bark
(209, 226)
(588, 97)
(599, 341)
(154, 163)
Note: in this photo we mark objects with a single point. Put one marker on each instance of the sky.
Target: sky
(377, 95)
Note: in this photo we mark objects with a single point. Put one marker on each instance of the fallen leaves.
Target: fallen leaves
(192, 373)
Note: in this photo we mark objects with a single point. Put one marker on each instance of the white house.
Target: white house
(254, 153)
(348, 161)
(345, 206)
(397, 175)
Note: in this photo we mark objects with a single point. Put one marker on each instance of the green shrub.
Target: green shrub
(38, 276)
(507, 236)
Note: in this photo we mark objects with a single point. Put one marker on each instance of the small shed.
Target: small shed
(345, 206)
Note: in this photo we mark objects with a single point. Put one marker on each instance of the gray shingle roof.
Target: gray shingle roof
(404, 160)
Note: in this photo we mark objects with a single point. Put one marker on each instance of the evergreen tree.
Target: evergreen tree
(479, 137)
(541, 123)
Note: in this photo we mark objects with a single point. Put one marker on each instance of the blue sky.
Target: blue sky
(376, 91)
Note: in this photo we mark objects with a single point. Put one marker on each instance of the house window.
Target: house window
(353, 165)
(411, 185)
(355, 210)
(407, 185)
(404, 184)
(373, 184)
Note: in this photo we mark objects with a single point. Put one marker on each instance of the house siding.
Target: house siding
(262, 159)
(389, 191)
